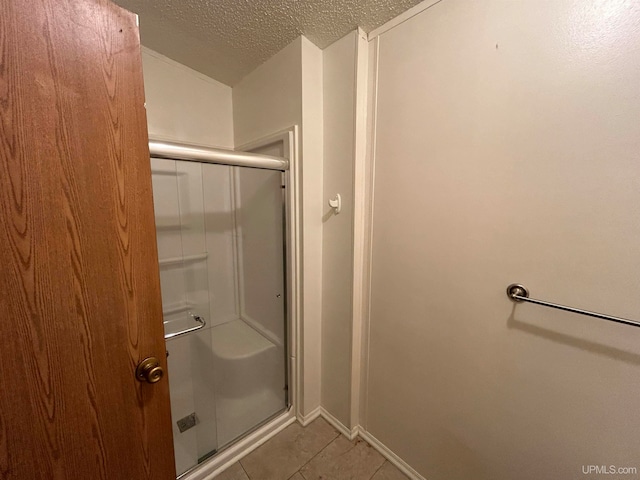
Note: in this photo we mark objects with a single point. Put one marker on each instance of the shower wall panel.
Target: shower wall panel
(220, 243)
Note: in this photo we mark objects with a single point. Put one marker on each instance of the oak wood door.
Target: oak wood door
(79, 284)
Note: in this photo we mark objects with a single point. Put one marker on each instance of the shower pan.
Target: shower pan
(222, 258)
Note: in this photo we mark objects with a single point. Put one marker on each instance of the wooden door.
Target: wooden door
(79, 285)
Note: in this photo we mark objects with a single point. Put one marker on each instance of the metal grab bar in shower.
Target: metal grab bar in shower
(519, 293)
(197, 318)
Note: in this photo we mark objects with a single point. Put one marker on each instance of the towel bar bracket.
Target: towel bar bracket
(515, 291)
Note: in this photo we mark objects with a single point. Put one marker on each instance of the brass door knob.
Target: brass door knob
(149, 370)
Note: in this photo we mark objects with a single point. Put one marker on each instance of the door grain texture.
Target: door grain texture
(79, 285)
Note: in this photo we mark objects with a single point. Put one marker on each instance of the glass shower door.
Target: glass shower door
(182, 252)
(221, 247)
(250, 350)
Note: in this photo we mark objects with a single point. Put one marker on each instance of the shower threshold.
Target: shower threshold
(207, 456)
(211, 456)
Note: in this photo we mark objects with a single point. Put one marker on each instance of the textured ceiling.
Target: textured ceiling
(226, 39)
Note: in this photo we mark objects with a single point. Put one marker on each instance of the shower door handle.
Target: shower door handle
(149, 370)
(201, 324)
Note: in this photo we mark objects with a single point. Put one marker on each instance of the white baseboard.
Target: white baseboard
(310, 417)
(403, 466)
(338, 425)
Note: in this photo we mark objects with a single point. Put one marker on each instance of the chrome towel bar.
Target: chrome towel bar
(518, 293)
(197, 318)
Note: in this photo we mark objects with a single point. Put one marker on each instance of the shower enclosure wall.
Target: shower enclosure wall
(220, 232)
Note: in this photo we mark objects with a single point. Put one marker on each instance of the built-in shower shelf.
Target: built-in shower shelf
(236, 340)
(178, 261)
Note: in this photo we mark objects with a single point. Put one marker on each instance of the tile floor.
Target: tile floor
(315, 452)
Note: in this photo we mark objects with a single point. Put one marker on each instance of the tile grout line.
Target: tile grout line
(297, 473)
(244, 469)
(326, 446)
(337, 435)
(321, 450)
(379, 468)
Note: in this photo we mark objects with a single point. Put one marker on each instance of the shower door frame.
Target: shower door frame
(292, 277)
(292, 249)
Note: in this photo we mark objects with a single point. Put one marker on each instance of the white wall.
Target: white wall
(285, 91)
(339, 69)
(507, 140)
(184, 105)
(269, 99)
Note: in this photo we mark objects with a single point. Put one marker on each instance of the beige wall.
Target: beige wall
(507, 143)
(285, 91)
(184, 105)
(337, 240)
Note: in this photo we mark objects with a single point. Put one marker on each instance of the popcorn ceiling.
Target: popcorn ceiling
(227, 39)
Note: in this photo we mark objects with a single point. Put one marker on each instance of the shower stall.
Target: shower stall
(221, 233)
